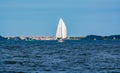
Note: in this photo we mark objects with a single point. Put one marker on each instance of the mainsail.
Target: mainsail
(61, 30)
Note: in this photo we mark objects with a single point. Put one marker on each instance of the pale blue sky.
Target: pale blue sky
(40, 17)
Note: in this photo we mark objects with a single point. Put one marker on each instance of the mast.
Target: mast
(61, 31)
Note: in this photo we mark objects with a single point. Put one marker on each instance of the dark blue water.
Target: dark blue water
(54, 57)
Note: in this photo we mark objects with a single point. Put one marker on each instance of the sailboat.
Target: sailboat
(61, 33)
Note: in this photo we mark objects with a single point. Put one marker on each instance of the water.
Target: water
(54, 57)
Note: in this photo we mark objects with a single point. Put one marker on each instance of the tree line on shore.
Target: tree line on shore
(97, 37)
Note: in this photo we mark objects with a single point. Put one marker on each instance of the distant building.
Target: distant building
(22, 37)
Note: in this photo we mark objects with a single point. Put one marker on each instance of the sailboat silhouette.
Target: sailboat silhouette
(61, 33)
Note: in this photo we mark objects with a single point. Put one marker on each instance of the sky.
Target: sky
(40, 17)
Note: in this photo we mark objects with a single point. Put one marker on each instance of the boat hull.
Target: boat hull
(60, 40)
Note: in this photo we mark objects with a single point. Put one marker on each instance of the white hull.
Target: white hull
(60, 40)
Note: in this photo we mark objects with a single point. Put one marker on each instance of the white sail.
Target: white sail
(61, 30)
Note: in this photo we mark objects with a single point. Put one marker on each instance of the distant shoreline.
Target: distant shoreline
(88, 37)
